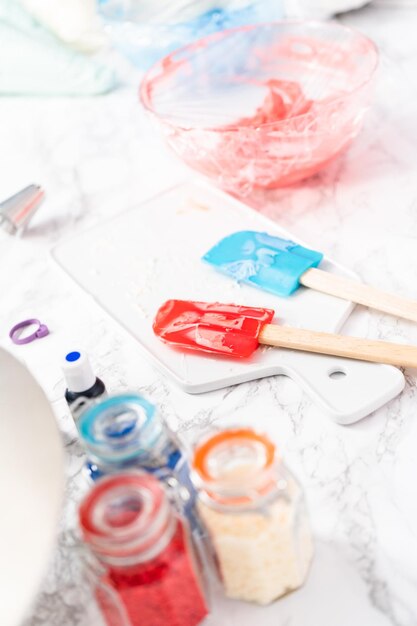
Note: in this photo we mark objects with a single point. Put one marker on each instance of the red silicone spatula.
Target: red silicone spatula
(230, 329)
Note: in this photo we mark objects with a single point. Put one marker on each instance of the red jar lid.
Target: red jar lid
(125, 515)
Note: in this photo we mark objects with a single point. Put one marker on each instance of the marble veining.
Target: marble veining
(97, 156)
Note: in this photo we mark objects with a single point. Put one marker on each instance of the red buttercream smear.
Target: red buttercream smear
(161, 591)
(227, 329)
(284, 99)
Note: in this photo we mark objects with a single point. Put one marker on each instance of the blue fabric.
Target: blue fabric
(144, 42)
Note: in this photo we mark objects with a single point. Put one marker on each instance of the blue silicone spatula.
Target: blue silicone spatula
(280, 266)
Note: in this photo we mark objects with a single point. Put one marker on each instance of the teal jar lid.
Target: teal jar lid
(120, 427)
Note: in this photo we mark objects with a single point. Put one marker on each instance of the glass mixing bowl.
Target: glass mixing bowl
(263, 105)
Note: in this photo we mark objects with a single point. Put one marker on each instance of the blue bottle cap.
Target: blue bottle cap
(78, 372)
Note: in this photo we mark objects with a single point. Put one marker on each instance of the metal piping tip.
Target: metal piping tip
(18, 210)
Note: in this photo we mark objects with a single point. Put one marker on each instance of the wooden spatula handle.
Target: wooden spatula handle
(360, 293)
(339, 345)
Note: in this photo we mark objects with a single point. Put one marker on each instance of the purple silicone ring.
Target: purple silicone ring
(41, 331)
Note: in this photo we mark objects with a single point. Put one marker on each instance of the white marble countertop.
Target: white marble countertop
(96, 156)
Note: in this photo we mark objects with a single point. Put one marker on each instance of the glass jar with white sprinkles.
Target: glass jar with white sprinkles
(254, 513)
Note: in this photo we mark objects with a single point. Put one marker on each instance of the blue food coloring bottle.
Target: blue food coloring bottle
(82, 384)
(124, 432)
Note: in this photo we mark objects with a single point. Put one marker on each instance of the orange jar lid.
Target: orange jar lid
(235, 463)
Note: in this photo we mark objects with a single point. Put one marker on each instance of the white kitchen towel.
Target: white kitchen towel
(320, 8)
(75, 22)
(35, 62)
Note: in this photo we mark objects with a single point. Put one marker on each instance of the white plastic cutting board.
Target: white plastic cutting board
(148, 254)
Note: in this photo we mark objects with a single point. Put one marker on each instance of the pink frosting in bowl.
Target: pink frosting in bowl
(264, 105)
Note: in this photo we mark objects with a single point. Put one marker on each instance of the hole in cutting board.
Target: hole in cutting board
(337, 374)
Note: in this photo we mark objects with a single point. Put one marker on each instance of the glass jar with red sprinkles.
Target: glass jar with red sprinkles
(146, 552)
